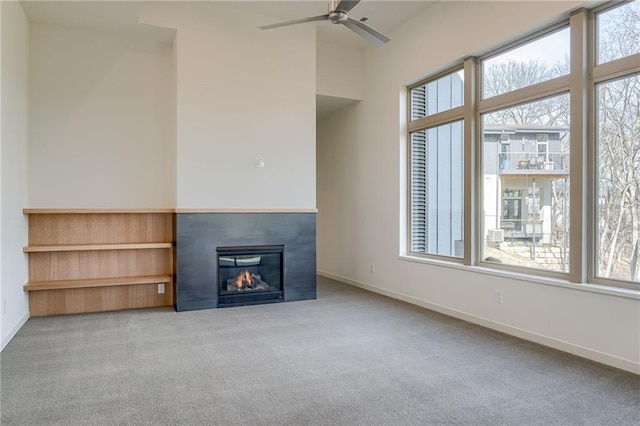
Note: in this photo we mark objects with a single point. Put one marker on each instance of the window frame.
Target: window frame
(532, 37)
(601, 74)
(428, 122)
(556, 86)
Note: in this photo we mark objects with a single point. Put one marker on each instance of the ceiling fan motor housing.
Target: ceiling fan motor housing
(337, 17)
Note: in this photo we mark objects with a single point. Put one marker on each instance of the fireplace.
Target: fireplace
(202, 237)
(250, 275)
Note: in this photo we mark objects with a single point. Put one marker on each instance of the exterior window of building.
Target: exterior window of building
(505, 161)
(436, 167)
(543, 149)
(511, 212)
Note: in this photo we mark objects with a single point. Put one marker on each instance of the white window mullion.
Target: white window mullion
(471, 162)
(578, 192)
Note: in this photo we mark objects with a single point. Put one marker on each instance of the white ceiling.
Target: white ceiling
(120, 17)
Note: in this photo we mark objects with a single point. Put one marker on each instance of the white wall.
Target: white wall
(242, 94)
(1, 347)
(102, 122)
(361, 181)
(13, 167)
(339, 197)
(339, 71)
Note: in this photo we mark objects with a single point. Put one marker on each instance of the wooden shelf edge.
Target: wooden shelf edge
(95, 211)
(186, 210)
(96, 282)
(90, 247)
(168, 210)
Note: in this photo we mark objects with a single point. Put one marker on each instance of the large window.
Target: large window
(617, 144)
(539, 166)
(525, 154)
(436, 166)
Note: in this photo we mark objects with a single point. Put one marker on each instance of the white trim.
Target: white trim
(437, 119)
(579, 193)
(14, 331)
(525, 95)
(616, 68)
(471, 164)
(601, 357)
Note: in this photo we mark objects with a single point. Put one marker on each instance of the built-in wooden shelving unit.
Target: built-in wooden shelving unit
(86, 260)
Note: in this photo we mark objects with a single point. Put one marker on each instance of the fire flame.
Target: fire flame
(243, 279)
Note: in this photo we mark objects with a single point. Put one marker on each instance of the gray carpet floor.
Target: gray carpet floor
(348, 358)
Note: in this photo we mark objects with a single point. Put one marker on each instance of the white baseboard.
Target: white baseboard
(14, 331)
(594, 355)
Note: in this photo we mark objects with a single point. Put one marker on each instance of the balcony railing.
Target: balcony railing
(533, 161)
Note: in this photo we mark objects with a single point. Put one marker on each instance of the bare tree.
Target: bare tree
(513, 75)
(619, 177)
(618, 144)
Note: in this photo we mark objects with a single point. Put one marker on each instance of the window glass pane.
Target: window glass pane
(437, 190)
(540, 60)
(618, 32)
(525, 162)
(618, 179)
(438, 95)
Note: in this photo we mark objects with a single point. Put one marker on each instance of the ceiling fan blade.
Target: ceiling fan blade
(347, 5)
(374, 36)
(296, 21)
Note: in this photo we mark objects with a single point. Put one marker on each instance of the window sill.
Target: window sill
(593, 288)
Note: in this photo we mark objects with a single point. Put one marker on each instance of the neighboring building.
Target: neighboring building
(520, 165)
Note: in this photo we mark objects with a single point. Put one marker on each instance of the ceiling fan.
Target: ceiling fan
(338, 14)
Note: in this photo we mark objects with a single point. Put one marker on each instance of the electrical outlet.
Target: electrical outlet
(4, 307)
(498, 296)
(372, 268)
(161, 288)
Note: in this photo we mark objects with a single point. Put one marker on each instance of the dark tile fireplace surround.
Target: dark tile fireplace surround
(276, 252)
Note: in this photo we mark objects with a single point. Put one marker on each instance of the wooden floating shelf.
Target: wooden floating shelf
(94, 211)
(89, 247)
(172, 210)
(96, 282)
